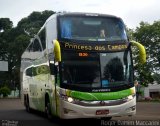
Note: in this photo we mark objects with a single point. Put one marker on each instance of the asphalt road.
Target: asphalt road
(13, 113)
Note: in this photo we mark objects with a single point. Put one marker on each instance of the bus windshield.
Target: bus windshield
(92, 28)
(96, 70)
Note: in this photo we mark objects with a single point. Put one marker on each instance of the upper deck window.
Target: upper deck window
(92, 28)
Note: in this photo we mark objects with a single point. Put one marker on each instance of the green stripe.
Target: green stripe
(100, 95)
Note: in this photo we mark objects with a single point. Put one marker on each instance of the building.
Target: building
(153, 91)
(3, 65)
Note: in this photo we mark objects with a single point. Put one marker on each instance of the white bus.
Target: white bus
(79, 65)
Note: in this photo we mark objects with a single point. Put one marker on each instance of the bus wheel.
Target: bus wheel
(48, 111)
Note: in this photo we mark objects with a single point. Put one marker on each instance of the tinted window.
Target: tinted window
(30, 48)
(96, 70)
(42, 36)
(82, 69)
(92, 28)
(115, 68)
(36, 46)
(29, 72)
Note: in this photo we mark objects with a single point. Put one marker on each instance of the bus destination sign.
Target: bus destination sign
(94, 47)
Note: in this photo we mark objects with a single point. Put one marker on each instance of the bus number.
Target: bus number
(83, 54)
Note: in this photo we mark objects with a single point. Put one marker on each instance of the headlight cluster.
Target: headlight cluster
(68, 99)
(130, 97)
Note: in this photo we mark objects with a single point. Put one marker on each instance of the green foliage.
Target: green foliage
(156, 77)
(34, 22)
(145, 75)
(5, 24)
(130, 33)
(149, 36)
(22, 42)
(5, 91)
(13, 42)
(5, 27)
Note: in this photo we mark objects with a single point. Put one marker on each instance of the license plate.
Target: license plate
(102, 112)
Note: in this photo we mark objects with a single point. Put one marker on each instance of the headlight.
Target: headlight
(70, 99)
(130, 97)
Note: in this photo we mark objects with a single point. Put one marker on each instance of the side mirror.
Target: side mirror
(57, 51)
(142, 51)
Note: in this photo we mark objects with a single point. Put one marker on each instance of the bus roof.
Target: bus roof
(77, 14)
(80, 14)
(85, 14)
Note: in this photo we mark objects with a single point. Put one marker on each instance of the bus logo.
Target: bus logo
(102, 103)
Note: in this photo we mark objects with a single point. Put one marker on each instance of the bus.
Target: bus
(79, 65)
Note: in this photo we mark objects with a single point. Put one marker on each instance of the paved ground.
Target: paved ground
(12, 113)
(145, 111)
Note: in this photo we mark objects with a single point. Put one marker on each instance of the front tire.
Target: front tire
(48, 111)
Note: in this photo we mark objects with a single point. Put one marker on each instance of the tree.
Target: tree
(156, 77)
(5, 24)
(130, 33)
(5, 91)
(5, 27)
(149, 36)
(34, 22)
(13, 41)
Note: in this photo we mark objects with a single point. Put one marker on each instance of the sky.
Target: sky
(131, 11)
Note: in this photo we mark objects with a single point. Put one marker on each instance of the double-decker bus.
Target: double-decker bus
(79, 65)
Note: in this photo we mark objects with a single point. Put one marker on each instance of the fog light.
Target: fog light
(131, 108)
(68, 111)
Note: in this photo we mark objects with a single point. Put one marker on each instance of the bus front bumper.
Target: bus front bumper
(69, 110)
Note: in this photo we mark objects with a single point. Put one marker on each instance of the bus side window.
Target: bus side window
(30, 48)
(66, 29)
(42, 36)
(29, 72)
(36, 46)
